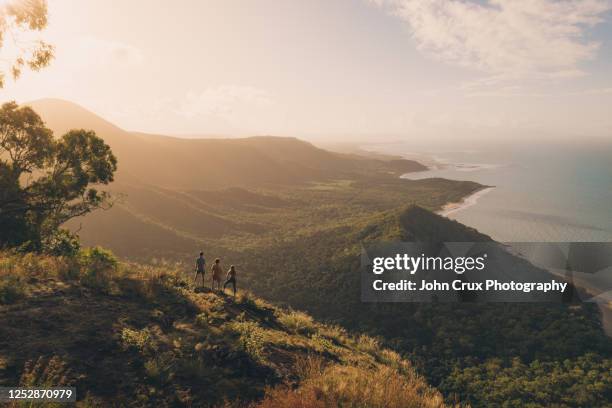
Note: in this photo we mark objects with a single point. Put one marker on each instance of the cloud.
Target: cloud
(506, 39)
(225, 101)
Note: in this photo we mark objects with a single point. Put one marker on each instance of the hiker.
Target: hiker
(231, 278)
(200, 268)
(216, 274)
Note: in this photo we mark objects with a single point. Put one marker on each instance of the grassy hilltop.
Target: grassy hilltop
(133, 335)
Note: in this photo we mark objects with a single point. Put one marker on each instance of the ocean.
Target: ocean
(543, 192)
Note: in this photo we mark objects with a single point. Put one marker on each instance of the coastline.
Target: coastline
(466, 202)
(452, 207)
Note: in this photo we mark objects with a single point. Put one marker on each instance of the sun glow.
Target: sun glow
(5, 3)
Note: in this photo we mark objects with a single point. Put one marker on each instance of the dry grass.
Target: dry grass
(356, 387)
(298, 322)
(368, 344)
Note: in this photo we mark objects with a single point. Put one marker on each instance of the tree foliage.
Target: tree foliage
(44, 181)
(20, 23)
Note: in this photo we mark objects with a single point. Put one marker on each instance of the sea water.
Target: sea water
(553, 191)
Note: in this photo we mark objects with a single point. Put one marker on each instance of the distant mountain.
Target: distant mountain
(173, 162)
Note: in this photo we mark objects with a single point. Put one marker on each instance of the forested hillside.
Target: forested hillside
(485, 354)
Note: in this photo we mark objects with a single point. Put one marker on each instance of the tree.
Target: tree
(20, 23)
(45, 182)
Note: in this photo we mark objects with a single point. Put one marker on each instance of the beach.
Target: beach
(436, 164)
(466, 202)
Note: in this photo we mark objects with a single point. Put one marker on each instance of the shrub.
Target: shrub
(336, 333)
(11, 289)
(139, 340)
(310, 366)
(322, 344)
(98, 259)
(98, 265)
(251, 339)
(70, 269)
(368, 344)
(297, 322)
(61, 243)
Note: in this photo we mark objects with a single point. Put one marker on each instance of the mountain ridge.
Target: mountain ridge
(169, 161)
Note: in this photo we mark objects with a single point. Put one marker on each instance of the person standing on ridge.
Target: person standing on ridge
(216, 274)
(231, 278)
(200, 268)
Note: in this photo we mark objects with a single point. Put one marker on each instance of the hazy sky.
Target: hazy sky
(449, 68)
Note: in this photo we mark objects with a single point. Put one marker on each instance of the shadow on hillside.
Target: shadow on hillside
(140, 344)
